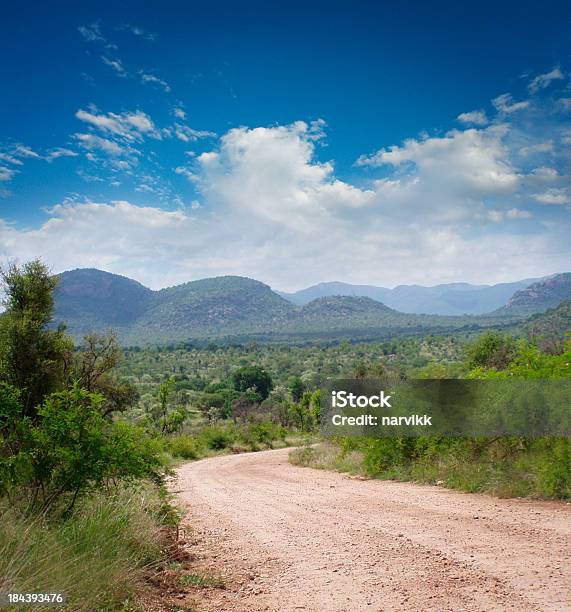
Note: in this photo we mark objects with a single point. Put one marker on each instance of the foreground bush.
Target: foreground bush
(69, 450)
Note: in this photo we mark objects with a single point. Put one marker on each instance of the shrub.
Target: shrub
(185, 447)
(70, 449)
(217, 437)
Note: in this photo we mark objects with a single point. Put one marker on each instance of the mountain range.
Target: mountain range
(233, 307)
(447, 299)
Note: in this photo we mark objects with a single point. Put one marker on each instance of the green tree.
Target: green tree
(70, 449)
(33, 358)
(163, 416)
(491, 350)
(296, 388)
(254, 378)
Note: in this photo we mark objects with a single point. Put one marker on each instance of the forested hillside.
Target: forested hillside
(232, 308)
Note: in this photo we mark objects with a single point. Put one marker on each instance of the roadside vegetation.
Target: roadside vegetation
(503, 466)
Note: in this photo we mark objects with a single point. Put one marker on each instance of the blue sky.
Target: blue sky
(293, 142)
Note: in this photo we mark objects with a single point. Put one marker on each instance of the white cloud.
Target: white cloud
(92, 142)
(505, 104)
(540, 147)
(92, 33)
(553, 196)
(140, 32)
(474, 118)
(472, 163)
(155, 80)
(516, 213)
(544, 80)
(59, 152)
(440, 209)
(179, 113)
(116, 64)
(131, 126)
(10, 159)
(24, 151)
(6, 174)
(188, 134)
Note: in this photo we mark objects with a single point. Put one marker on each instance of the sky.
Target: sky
(293, 142)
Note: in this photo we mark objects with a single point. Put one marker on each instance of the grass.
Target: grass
(504, 467)
(98, 557)
(201, 580)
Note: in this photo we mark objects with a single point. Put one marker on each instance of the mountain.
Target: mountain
(91, 299)
(212, 307)
(539, 296)
(549, 327)
(446, 299)
(241, 309)
(304, 296)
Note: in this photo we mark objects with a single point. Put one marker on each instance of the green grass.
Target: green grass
(201, 580)
(98, 557)
(506, 467)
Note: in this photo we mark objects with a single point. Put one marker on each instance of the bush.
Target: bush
(185, 447)
(70, 449)
(217, 437)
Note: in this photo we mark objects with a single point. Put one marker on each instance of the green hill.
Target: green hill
(241, 309)
(89, 299)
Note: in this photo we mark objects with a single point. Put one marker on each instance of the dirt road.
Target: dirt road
(292, 538)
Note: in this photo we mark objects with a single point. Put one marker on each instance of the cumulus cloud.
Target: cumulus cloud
(131, 126)
(187, 134)
(179, 113)
(59, 152)
(472, 162)
(6, 174)
(542, 81)
(540, 147)
(92, 32)
(266, 202)
(91, 142)
(139, 32)
(516, 213)
(474, 117)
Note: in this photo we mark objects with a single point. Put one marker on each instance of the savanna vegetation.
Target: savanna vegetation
(89, 432)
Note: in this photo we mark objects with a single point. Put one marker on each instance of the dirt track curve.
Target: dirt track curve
(291, 538)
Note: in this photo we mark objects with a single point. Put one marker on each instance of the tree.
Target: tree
(165, 419)
(69, 450)
(33, 358)
(491, 350)
(253, 378)
(92, 368)
(296, 388)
